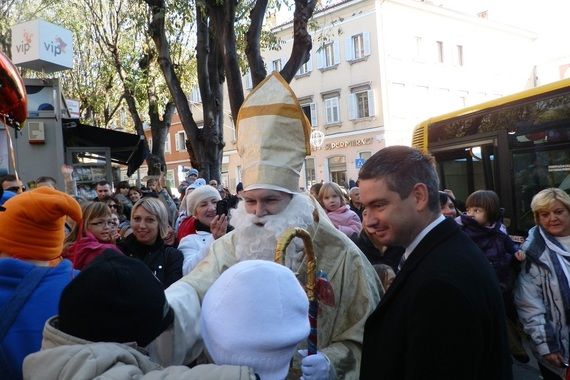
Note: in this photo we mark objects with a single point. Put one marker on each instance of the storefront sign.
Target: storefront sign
(349, 143)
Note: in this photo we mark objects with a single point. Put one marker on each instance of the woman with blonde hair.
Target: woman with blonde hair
(542, 295)
(92, 236)
(149, 221)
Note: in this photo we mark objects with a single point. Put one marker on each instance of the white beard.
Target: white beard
(256, 242)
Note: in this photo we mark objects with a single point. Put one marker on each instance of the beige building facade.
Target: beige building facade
(377, 68)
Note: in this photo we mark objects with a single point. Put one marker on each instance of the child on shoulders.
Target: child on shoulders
(338, 211)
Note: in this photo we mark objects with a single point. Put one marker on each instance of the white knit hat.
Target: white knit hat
(255, 314)
(198, 195)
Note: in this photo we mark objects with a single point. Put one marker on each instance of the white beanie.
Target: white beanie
(255, 314)
(200, 194)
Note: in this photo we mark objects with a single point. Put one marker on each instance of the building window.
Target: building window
(399, 102)
(247, 81)
(337, 170)
(181, 141)
(361, 103)
(358, 46)
(170, 179)
(439, 47)
(310, 110)
(167, 144)
(419, 48)
(310, 178)
(365, 155)
(305, 68)
(276, 65)
(328, 55)
(460, 55)
(332, 110)
(195, 96)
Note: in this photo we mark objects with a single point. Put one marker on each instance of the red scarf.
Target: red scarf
(187, 227)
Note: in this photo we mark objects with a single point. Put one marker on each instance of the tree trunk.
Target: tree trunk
(157, 32)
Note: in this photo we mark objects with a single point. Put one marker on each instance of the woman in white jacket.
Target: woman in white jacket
(207, 226)
(542, 294)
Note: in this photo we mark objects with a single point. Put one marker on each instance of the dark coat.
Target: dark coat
(391, 256)
(495, 244)
(442, 318)
(164, 261)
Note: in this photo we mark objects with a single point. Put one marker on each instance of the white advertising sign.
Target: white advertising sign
(42, 46)
(73, 108)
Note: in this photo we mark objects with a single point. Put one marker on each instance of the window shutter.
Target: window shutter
(349, 49)
(352, 107)
(371, 110)
(366, 40)
(336, 52)
(314, 115)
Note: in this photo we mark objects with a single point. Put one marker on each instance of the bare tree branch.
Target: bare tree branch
(302, 42)
(253, 49)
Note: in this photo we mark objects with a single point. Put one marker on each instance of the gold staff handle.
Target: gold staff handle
(282, 244)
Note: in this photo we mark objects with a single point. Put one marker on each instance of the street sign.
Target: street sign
(359, 162)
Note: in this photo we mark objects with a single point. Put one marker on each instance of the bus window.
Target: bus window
(534, 171)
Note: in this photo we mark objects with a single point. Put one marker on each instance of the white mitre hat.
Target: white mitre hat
(273, 137)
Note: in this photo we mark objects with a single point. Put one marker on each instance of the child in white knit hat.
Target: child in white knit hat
(255, 314)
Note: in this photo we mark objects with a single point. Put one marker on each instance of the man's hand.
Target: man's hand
(315, 367)
(219, 226)
(555, 359)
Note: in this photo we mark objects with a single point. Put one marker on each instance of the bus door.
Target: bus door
(464, 170)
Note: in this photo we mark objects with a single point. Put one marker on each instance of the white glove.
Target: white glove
(315, 367)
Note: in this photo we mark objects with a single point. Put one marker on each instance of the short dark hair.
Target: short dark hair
(134, 188)
(123, 185)
(48, 179)
(443, 198)
(403, 167)
(102, 183)
(111, 198)
(8, 177)
(488, 200)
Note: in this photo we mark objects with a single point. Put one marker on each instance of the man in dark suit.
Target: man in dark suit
(443, 317)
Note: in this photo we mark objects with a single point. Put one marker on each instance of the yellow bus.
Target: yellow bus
(516, 145)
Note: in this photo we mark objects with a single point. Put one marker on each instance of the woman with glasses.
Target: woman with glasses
(149, 222)
(90, 238)
(117, 208)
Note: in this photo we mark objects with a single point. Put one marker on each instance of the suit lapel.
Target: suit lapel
(438, 234)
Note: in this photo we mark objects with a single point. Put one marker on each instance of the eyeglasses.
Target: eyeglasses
(15, 189)
(103, 223)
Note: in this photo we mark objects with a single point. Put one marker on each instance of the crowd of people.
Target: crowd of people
(411, 282)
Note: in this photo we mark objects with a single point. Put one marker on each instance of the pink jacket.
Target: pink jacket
(345, 220)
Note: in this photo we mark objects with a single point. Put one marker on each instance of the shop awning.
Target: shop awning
(126, 148)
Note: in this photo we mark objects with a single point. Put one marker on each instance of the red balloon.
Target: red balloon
(13, 98)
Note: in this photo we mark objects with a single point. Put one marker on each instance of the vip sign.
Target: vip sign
(42, 46)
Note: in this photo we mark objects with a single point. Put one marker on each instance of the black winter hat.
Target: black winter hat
(115, 299)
